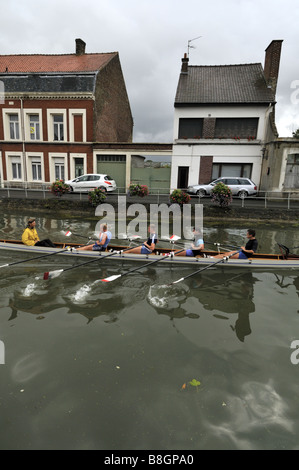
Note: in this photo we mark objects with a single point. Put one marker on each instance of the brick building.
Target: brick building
(54, 111)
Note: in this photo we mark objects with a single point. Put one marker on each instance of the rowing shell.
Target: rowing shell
(266, 261)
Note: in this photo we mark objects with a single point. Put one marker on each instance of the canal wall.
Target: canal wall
(211, 214)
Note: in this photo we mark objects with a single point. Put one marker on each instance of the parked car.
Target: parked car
(89, 182)
(241, 187)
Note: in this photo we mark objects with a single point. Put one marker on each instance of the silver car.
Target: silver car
(241, 187)
(89, 182)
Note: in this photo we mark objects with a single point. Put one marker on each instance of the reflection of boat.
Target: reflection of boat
(266, 261)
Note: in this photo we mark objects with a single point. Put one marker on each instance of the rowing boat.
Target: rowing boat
(258, 260)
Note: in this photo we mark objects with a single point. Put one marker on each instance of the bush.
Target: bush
(97, 196)
(221, 195)
(58, 188)
(140, 190)
(180, 197)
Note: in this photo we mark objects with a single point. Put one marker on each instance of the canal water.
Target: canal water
(135, 364)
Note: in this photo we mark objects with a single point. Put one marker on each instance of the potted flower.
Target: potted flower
(136, 189)
(221, 195)
(96, 196)
(178, 196)
(59, 187)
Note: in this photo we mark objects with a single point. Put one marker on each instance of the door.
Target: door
(183, 177)
(79, 167)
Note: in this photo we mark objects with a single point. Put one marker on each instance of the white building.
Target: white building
(223, 117)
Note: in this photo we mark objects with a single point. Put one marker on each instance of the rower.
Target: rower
(148, 246)
(246, 251)
(197, 246)
(102, 243)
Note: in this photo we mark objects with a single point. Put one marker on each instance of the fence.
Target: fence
(284, 200)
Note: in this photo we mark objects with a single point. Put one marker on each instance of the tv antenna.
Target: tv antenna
(189, 42)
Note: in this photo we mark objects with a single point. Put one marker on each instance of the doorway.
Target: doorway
(183, 177)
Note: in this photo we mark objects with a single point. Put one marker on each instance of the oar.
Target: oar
(33, 259)
(225, 258)
(69, 233)
(51, 274)
(113, 278)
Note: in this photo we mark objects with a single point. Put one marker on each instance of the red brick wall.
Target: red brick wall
(113, 118)
(205, 171)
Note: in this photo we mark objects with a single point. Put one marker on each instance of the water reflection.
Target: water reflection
(217, 291)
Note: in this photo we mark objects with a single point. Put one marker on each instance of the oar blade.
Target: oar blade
(111, 278)
(52, 274)
(68, 233)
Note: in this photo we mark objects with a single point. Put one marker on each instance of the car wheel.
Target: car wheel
(242, 194)
(201, 193)
(103, 188)
(71, 189)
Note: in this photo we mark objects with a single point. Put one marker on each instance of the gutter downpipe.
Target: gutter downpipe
(23, 143)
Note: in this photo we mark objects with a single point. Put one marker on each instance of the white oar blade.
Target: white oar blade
(174, 238)
(4, 265)
(179, 280)
(52, 274)
(111, 278)
(68, 233)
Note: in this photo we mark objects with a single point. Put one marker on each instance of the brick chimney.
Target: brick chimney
(272, 61)
(185, 62)
(80, 47)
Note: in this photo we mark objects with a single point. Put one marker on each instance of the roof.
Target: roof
(49, 83)
(223, 84)
(34, 63)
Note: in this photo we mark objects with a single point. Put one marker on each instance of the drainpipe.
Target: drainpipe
(23, 142)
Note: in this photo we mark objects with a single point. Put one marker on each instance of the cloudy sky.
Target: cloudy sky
(152, 36)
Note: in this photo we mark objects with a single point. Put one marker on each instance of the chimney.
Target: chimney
(185, 61)
(272, 61)
(80, 47)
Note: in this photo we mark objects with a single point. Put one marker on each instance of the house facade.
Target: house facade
(223, 115)
(54, 112)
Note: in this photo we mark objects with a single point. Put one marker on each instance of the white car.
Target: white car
(91, 181)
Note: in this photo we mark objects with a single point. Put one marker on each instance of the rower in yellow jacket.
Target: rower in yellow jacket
(31, 238)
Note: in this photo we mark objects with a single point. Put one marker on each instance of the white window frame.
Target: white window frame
(27, 113)
(72, 114)
(6, 123)
(50, 124)
(9, 158)
(72, 163)
(35, 157)
(57, 158)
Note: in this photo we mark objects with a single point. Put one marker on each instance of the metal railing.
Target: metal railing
(285, 199)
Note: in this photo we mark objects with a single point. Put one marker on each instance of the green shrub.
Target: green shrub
(179, 197)
(136, 189)
(58, 188)
(221, 195)
(96, 196)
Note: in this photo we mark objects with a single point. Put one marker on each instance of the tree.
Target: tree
(296, 134)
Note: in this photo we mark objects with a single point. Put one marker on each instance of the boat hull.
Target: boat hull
(258, 261)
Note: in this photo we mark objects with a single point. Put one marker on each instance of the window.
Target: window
(14, 129)
(58, 127)
(16, 171)
(34, 127)
(190, 128)
(236, 128)
(230, 169)
(36, 171)
(59, 171)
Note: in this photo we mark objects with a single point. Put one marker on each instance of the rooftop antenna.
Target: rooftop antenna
(189, 42)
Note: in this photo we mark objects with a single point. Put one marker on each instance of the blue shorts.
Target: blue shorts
(189, 253)
(242, 255)
(145, 251)
(97, 247)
